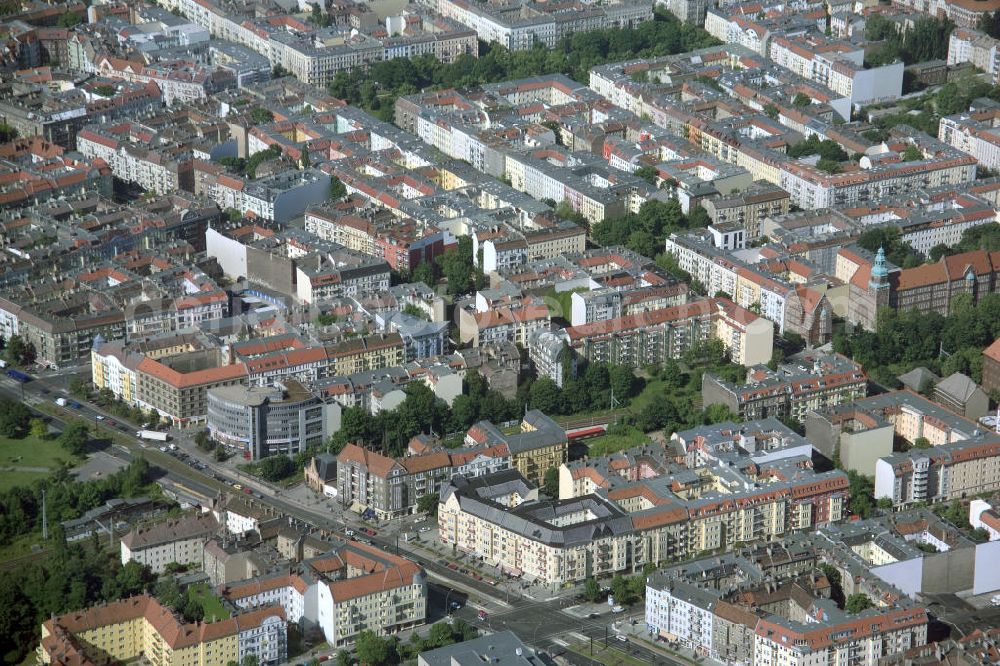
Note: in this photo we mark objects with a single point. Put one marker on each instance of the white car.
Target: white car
(424, 529)
(349, 532)
(99, 417)
(623, 639)
(618, 609)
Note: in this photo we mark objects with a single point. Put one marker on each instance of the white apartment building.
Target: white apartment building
(973, 47)
(178, 541)
(681, 611)
(351, 589)
(975, 134)
(151, 170)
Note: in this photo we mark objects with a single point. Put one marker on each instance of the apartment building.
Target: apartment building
(745, 610)
(659, 335)
(162, 170)
(140, 627)
(974, 133)
(361, 354)
(402, 243)
(389, 487)
(972, 46)
(738, 484)
(499, 518)
(350, 589)
(991, 367)
(178, 541)
(839, 66)
(536, 23)
(539, 445)
(803, 383)
(283, 196)
(170, 373)
(965, 14)
(749, 207)
(392, 487)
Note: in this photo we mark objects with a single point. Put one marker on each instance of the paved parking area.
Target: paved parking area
(99, 465)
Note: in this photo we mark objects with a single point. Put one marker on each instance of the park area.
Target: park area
(25, 460)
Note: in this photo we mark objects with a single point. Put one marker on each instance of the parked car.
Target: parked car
(621, 638)
(424, 529)
(482, 616)
(618, 609)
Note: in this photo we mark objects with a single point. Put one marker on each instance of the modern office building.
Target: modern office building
(284, 418)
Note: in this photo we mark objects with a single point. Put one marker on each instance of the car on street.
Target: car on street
(482, 616)
(455, 605)
(349, 532)
(99, 417)
(592, 616)
(621, 638)
(237, 486)
(618, 609)
(424, 529)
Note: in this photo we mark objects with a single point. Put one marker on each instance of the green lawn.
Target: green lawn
(602, 446)
(209, 602)
(653, 390)
(29, 452)
(10, 480)
(33, 452)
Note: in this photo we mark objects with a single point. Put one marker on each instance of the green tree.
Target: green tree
(551, 482)
(921, 443)
(104, 90)
(429, 504)
(912, 153)
(857, 602)
(203, 441)
(829, 166)
(337, 189)
(344, 657)
(14, 418)
(836, 589)
(7, 133)
(801, 100)
(18, 351)
(544, 395)
(261, 115)
(591, 590)
(38, 428)
(648, 174)
(275, 468)
(440, 635)
(69, 19)
(372, 650)
(860, 491)
(250, 660)
(74, 437)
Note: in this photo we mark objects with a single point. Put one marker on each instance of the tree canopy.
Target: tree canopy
(377, 88)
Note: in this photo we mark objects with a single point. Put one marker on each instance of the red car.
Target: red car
(248, 491)
(482, 616)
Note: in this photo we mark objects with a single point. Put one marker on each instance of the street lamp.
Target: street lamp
(446, 597)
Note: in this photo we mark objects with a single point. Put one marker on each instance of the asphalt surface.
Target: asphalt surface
(543, 624)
